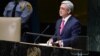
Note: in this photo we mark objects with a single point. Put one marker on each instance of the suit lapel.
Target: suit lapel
(66, 25)
(59, 27)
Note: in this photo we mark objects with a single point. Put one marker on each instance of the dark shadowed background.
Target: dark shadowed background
(45, 12)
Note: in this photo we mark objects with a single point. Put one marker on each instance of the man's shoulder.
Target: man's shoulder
(11, 2)
(74, 19)
(59, 20)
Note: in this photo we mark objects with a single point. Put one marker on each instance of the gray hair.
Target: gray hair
(69, 4)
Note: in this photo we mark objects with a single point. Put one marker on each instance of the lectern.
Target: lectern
(10, 28)
(11, 48)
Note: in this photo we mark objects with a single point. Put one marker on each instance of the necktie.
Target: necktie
(61, 26)
(14, 9)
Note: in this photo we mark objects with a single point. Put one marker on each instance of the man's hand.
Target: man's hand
(49, 42)
(60, 42)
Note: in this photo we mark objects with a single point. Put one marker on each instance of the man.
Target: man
(19, 8)
(67, 28)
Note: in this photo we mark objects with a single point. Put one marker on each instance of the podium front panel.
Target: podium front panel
(10, 48)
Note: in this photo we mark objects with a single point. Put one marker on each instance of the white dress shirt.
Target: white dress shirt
(66, 19)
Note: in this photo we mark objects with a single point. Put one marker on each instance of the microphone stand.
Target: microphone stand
(41, 33)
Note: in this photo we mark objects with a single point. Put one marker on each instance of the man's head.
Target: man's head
(18, 0)
(66, 8)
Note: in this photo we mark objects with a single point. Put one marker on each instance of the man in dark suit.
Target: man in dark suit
(67, 28)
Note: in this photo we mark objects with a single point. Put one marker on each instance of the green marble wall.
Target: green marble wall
(94, 25)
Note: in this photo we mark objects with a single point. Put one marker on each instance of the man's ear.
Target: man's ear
(69, 11)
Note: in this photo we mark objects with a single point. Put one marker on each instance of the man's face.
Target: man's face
(63, 11)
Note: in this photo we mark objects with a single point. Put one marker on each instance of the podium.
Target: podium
(11, 48)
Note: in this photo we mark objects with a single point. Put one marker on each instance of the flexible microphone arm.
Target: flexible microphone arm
(44, 35)
(41, 33)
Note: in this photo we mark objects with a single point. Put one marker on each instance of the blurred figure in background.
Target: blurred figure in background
(19, 8)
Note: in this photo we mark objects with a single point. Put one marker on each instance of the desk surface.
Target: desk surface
(44, 44)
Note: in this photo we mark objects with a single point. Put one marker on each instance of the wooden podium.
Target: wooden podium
(11, 48)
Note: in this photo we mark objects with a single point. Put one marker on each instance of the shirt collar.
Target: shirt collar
(66, 18)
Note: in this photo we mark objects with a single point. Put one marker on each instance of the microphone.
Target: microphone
(41, 33)
(55, 35)
(57, 38)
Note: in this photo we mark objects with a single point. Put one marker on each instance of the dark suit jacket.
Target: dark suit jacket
(70, 31)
